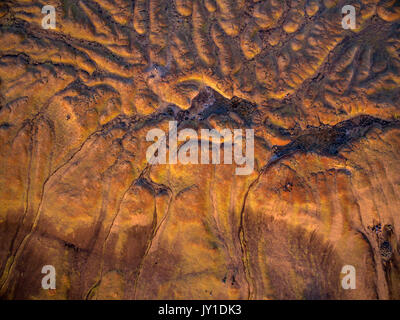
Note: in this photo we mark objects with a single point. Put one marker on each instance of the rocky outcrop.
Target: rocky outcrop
(76, 189)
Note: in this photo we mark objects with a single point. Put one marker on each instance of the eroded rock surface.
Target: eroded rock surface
(77, 192)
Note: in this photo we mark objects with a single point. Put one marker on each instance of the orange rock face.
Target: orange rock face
(77, 191)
